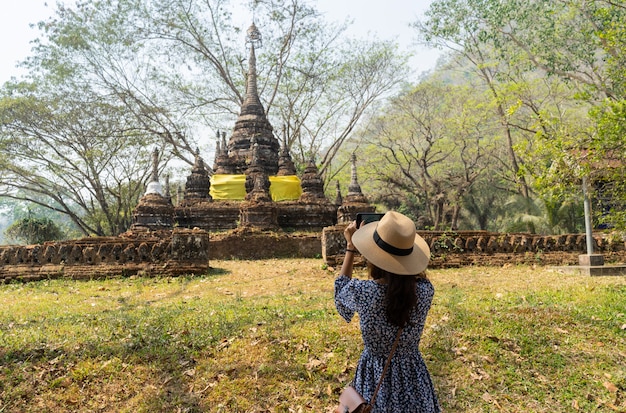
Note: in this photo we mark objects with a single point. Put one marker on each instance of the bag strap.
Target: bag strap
(387, 363)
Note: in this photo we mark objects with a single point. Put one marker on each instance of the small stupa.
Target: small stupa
(198, 184)
(354, 201)
(154, 210)
(285, 163)
(312, 184)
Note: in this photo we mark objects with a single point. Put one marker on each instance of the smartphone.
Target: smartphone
(367, 217)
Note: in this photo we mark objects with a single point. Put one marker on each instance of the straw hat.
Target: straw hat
(393, 245)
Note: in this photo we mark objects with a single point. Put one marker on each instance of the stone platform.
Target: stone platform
(594, 271)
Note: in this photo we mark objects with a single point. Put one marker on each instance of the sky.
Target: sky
(388, 19)
(370, 17)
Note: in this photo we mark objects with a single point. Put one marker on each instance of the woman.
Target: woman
(399, 295)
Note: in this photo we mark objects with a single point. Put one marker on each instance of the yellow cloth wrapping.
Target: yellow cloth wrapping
(233, 187)
(228, 187)
(284, 188)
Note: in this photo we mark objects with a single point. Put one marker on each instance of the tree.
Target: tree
(64, 152)
(430, 150)
(607, 164)
(591, 60)
(484, 204)
(33, 230)
(318, 124)
(316, 84)
(459, 26)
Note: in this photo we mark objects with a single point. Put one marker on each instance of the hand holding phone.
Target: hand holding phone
(367, 217)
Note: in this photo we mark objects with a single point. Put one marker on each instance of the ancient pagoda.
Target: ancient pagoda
(254, 181)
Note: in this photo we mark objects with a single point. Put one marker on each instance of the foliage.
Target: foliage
(554, 217)
(551, 86)
(430, 146)
(34, 230)
(485, 205)
(76, 154)
(230, 341)
(608, 152)
(12, 211)
(181, 67)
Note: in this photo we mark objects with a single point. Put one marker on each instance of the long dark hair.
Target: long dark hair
(400, 297)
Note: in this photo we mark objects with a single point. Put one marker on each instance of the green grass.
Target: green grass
(263, 336)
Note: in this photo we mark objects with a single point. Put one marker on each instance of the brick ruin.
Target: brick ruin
(185, 251)
(170, 252)
(483, 248)
(173, 239)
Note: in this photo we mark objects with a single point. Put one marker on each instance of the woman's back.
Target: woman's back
(367, 297)
(395, 254)
(406, 386)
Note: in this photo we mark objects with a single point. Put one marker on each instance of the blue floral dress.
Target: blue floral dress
(407, 386)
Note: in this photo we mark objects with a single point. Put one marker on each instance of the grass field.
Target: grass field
(263, 336)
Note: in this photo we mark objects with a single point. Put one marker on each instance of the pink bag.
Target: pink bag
(350, 401)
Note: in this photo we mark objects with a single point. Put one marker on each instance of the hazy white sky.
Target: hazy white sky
(386, 20)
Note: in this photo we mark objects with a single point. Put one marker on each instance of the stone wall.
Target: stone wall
(227, 215)
(463, 248)
(304, 216)
(186, 251)
(208, 215)
(449, 250)
(181, 251)
(250, 243)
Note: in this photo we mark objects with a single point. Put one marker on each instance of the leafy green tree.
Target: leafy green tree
(34, 230)
(553, 217)
(460, 27)
(321, 110)
(484, 204)
(514, 44)
(607, 164)
(591, 59)
(64, 152)
(180, 66)
(12, 210)
(430, 146)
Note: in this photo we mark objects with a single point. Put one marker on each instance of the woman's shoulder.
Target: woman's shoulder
(369, 287)
(366, 283)
(424, 284)
(357, 282)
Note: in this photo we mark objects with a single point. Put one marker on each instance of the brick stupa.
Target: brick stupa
(254, 181)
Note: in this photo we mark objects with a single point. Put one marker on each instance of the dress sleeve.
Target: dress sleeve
(346, 296)
(425, 291)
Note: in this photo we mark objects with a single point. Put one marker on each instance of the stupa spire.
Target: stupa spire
(252, 122)
(218, 146)
(154, 187)
(167, 195)
(338, 197)
(354, 188)
(285, 163)
(198, 183)
(252, 101)
(155, 166)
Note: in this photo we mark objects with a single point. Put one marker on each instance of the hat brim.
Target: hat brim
(412, 264)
